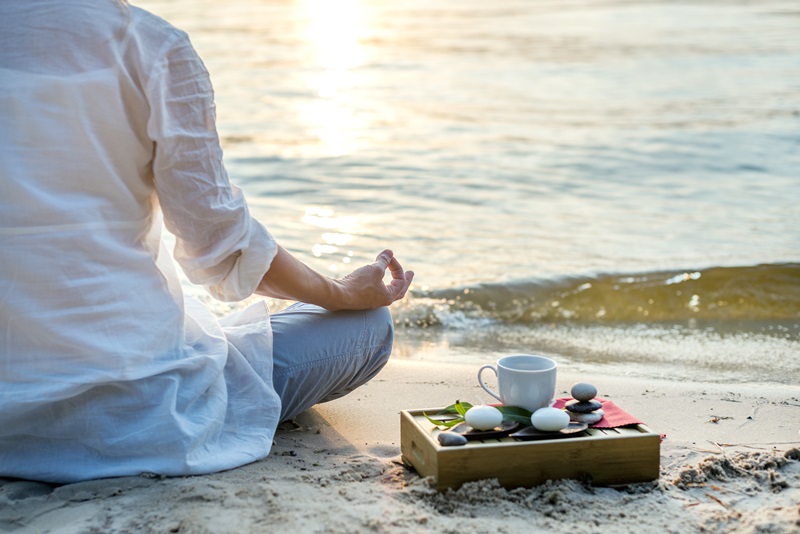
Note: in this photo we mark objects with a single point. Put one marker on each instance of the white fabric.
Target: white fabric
(106, 122)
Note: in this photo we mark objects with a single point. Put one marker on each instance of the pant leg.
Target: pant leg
(320, 355)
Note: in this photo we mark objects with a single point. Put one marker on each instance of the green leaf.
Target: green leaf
(516, 414)
(459, 408)
(462, 407)
(454, 408)
(514, 410)
(447, 423)
(452, 423)
(518, 419)
(449, 409)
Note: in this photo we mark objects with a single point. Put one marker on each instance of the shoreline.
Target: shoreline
(729, 461)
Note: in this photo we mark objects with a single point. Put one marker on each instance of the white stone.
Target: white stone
(549, 419)
(588, 418)
(483, 417)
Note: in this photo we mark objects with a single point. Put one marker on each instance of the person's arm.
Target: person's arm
(218, 244)
(289, 278)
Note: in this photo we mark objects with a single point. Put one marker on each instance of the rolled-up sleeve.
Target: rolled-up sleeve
(218, 244)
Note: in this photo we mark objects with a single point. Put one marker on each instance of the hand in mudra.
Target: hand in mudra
(365, 289)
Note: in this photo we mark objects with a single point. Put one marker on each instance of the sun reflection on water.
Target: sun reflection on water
(335, 28)
(334, 32)
(341, 233)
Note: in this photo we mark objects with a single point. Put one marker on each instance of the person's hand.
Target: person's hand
(364, 288)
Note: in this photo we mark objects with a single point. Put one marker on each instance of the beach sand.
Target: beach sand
(729, 462)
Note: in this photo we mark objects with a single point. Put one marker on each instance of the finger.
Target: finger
(399, 286)
(408, 278)
(396, 269)
(384, 258)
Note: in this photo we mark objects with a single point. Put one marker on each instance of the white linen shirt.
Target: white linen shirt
(106, 123)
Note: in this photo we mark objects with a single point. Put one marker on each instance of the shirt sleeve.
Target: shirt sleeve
(219, 245)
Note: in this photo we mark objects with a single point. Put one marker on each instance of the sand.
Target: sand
(730, 462)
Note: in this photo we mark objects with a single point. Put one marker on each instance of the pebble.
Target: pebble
(549, 419)
(583, 407)
(583, 392)
(483, 417)
(451, 439)
(588, 418)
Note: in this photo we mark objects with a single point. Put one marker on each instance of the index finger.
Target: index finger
(384, 259)
(396, 269)
(399, 286)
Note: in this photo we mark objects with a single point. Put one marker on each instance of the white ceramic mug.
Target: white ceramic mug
(524, 380)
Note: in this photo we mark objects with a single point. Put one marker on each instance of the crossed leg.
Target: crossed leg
(320, 355)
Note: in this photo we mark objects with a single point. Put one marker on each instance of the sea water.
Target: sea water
(613, 183)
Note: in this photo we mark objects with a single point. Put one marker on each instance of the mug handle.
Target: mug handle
(484, 386)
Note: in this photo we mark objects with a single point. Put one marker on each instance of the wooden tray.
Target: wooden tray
(609, 456)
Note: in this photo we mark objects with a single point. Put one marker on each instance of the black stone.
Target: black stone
(451, 439)
(583, 407)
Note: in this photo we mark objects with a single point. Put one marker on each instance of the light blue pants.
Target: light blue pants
(320, 355)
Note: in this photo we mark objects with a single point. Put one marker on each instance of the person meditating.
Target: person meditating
(107, 133)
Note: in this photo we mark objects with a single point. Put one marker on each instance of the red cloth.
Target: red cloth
(613, 416)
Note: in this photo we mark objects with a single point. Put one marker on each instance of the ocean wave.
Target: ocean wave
(760, 293)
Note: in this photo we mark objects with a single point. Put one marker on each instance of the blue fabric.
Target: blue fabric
(320, 355)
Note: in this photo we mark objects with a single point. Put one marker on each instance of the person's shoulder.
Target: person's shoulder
(153, 26)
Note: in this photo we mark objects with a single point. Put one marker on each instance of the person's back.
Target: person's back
(91, 327)
(76, 228)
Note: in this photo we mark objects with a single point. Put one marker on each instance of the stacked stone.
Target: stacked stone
(584, 409)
